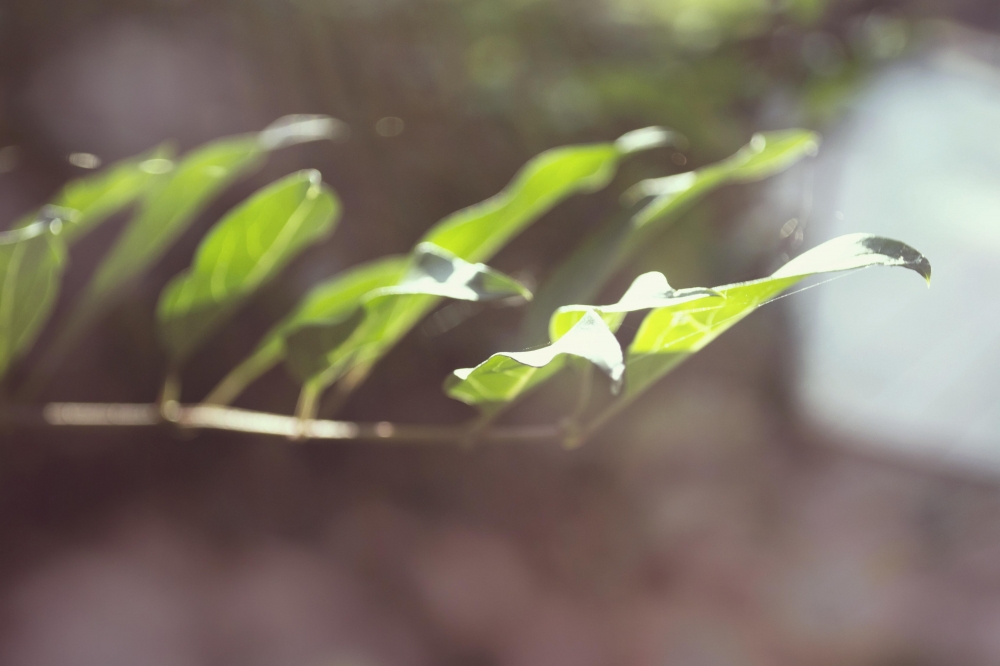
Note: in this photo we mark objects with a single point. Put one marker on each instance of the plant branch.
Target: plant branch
(214, 417)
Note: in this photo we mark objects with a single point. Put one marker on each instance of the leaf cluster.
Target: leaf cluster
(345, 325)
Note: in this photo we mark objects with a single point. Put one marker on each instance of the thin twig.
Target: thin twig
(215, 417)
(344, 388)
(308, 403)
(572, 428)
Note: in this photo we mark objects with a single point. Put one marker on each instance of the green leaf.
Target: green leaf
(166, 213)
(478, 232)
(98, 197)
(170, 207)
(766, 154)
(248, 247)
(319, 348)
(602, 254)
(506, 376)
(670, 334)
(647, 292)
(31, 265)
(331, 301)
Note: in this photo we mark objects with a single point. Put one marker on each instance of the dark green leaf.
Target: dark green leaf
(248, 247)
(31, 265)
(506, 376)
(670, 334)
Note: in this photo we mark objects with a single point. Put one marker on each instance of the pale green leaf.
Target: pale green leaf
(248, 247)
(319, 348)
(166, 213)
(101, 195)
(670, 334)
(172, 204)
(31, 265)
(329, 302)
(602, 254)
(506, 376)
(766, 154)
(477, 233)
(647, 292)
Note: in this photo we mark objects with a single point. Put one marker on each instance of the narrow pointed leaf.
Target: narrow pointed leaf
(433, 273)
(166, 213)
(477, 233)
(331, 301)
(300, 128)
(647, 292)
(248, 247)
(506, 376)
(98, 197)
(766, 154)
(31, 265)
(669, 335)
(170, 207)
(601, 255)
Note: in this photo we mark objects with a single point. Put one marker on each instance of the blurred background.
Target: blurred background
(817, 487)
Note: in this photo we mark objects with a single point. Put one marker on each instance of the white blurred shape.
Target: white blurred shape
(84, 160)
(884, 359)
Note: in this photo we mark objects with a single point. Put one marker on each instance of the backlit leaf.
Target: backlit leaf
(248, 247)
(166, 213)
(31, 266)
(766, 154)
(506, 376)
(433, 273)
(602, 254)
(477, 233)
(170, 206)
(328, 302)
(647, 292)
(670, 334)
(101, 195)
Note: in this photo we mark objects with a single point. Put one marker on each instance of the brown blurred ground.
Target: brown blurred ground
(709, 526)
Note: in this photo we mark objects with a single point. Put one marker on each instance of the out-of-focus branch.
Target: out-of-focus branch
(214, 417)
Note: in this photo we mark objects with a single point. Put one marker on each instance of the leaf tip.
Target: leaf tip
(301, 128)
(905, 256)
(157, 166)
(315, 180)
(646, 139)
